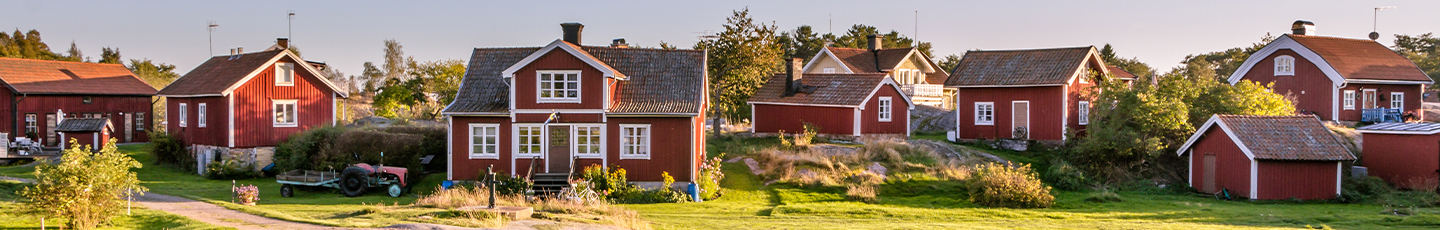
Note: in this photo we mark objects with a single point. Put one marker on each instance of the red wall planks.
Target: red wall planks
(900, 113)
(591, 82)
(1411, 104)
(254, 108)
(1309, 86)
(216, 130)
(73, 105)
(1405, 160)
(1232, 167)
(671, 146)
(1306, 180)
(1046, 111)
(792, 119)
(464, 168)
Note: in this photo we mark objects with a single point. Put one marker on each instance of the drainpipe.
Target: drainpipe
(15, 114)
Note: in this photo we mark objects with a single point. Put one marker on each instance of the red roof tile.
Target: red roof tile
(62, 77)
(1120, 73)
(1362, 59)
(219, 73)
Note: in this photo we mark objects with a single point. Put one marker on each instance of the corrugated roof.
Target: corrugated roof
(82, 125)
(1300, 137)
(1018, 67)
(658, 81)
(831, 89)
(219, 73)
(31, 76)
(1362, 59)
(1402, 127)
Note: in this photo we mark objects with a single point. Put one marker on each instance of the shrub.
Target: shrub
(637, 195)
(302, 150)
(1355, 189)
(170, 150)
(86, 189)
(230, 169)
(512, 185)
(334, 148)
(1065, 176)
(807, 137)
(709, 179)
(997, 185)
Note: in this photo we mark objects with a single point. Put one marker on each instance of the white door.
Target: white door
(1020, 119)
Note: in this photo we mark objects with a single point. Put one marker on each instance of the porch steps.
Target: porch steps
(549, 183)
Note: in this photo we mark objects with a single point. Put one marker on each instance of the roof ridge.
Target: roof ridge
(62, 61)
(1035, 49)
(1332, 37)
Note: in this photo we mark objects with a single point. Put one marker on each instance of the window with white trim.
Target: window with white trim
(635, 142)
(984, 113)
(1397, 100)
(285, 113)
(1284, 65)
(484, 141)
(1084, 111)
(139, 121)
(1349, 100)
(528, 140)
(558, 86)
(587, 141)
(828, 70)
(284, 74)
(30, 124)
(183, 110)
(885, 103)
(200, 115)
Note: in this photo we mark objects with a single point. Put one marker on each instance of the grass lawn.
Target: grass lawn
(12, 217)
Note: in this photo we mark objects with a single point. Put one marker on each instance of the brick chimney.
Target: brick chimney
(793, 74)
(572, 32)
(874, 42)
(284, 43)
(1302, 27)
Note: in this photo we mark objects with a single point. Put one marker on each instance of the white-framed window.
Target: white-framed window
(1084, 111)
(284, 74)
(30, 124)
(139, 121)
(200, 115)
(484, 141)
(285, 111)
(183, 116)
(828, 70)
(529, 140)
(1397, 100)
(635, 141)
(885, 103)
(1349, 100)
(587, 141)
(1083, 77)
(984, 113)
(1284, 65)
(558, 86)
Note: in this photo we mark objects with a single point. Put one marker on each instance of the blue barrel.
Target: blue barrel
(694, 191)
(447, 184)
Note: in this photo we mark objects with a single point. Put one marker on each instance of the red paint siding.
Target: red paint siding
(792, 119)
(464, 168)
(1306, 180)
(1310, 88)
(254, 108)
(561, 118)
(1232, 167)
(1046, 115)
(671, 146)
(216, 130)
(1402, 159)
(73, 105)
(900, 113)
(1075, 93)
(1382, 96)
(591, 82)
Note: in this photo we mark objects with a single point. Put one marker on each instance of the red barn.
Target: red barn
(1405, 154)
(39, 93)
(86, 131)
(1336, 78)
(565, 106)
(1044, 92)
(1266, 157)
(838, 104)
(248, 100)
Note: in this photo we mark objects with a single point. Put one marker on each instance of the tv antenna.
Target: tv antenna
(210, 26)
(289, 26)
(1375, 22)
(707, 35)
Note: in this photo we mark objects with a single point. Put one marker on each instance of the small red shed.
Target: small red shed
(1036, 94)
(86, 131)
(839, 104)
(1405, 154)
(1266, 157)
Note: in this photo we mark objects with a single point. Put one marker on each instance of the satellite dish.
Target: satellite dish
(1374, 35)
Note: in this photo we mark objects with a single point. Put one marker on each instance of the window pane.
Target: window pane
(571, 85)
(571, 77)
(544, 77)
(490, 131)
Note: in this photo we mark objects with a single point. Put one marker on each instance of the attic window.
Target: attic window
(558, 86)
(829, 70)
(284, 74)
(1284, 65)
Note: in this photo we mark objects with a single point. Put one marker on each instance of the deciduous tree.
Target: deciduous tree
(83, 187)
(741, 59)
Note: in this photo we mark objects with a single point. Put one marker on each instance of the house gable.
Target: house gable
(594, 84)
(287, 57)
(1286, 43)
(825, 59)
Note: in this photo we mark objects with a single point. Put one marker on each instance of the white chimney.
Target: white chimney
(1302, 27)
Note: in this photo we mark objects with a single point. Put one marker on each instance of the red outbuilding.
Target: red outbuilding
(1265, 157)
(565, 106)
(37, 94)
(1405, 154)
(1336, 78)
(93, 132)
(1039, 94)
(248, 100)
(837, 104)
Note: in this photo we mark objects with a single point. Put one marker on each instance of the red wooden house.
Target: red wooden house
(37, 94)
(838, 104)
(86, 131)
(1266, 157)
(918, 77)
(565, 106)
(1120, 74)
(1336, 78)
(1405, 154)
(248, 100)
(1043, 92)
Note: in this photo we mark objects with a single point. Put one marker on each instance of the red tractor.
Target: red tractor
(352, 182)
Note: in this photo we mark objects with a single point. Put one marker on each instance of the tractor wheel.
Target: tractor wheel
(395, 190)
(287, 190)
(353, 181)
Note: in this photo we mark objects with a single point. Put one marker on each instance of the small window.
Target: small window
(183, 110)
(139, 121)
(528, 140)
(635, 142)
(1397, 100)
(484, 141)
(829, 70)
(984, 113)
(885, 109)
(1284, 65)
(285, 113)
(200, 115)
(559, 86)
(1349, 100)
(30, 125)
(284, 74)
(1084, 111)
(587, 141)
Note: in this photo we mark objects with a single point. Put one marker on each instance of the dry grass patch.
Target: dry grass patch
(599, 212)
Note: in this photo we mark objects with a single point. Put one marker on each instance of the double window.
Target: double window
(528, 140)
(635, 142)
(200, 114)
(284, 74)
(984, 113)
(1084, 112)
(559, 86)
(484, 141)
(1349, 100)
(885, 103)
(1284, 65)
(587, 141)
(285, 113)
(1397, 100)
(183, 116)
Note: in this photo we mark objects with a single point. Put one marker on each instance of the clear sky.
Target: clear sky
(346, 34)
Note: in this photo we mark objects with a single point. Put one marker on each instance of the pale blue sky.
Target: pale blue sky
(348, 33)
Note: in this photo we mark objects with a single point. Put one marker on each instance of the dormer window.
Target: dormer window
(284, 74)
(558, 87)
(1285, 65)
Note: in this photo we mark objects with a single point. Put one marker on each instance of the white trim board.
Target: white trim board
(1214, 120)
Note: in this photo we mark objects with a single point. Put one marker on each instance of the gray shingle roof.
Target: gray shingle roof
(1300, 137)
(1018, 67)
(659, 81)
(82, 125)
(831, 89)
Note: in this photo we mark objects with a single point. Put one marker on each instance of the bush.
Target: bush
(230, 169)
(334, 148)
(1354, 189)
(1065, 176)
(997, 185)
(512, 185)
(604, 182)
(303, 150)
(86, 189)
(637, 195)
(709, 179)
(170, 150)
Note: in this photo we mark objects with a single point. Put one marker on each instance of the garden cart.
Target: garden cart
(352, 182)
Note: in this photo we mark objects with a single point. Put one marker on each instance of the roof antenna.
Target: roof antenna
(1375, 22)
(211, 27)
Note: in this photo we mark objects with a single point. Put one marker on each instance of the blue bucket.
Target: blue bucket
(447, 184)
(694, 191)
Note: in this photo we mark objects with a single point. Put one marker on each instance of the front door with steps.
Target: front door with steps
(558, 157)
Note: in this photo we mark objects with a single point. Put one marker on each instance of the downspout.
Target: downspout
(15, 114)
